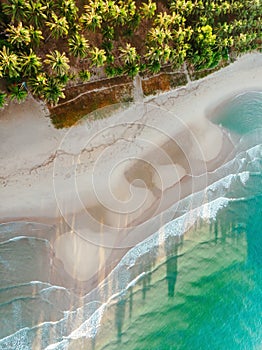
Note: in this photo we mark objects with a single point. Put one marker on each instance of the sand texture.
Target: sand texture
(107, 184)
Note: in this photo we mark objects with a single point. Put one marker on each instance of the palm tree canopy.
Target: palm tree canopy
(58, 26)
(31, 63)
(19, 35)
(129, 54)
(58, 62)
(9, 62)
(78, 45)
(98, 56)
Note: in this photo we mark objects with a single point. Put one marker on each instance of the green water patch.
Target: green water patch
(206, 294)
(243, 114)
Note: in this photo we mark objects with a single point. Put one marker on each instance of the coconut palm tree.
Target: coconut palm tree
(159, 35)
(58, 62)
(166, 53)
(154, 53)
(119, 14)
(163, 20)
(154, 67)
(131, 7)
(58, 26)
(35, 35)
(132, 69)
(91, 20)
(16, 9)
(17, 93)
(3, 101)
(78, 45)
(9, 62)
(84, 75)
(98, 57)
(30, 63)
(148, 9)
(53, 91)
(69, 10)
(129, 54)
(108, 32)
(35, 12)
(37, 84)
(19, 35)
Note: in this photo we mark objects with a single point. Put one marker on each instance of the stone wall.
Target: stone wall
(85, 98)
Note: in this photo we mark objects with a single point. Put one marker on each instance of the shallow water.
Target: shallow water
(198, 291)
(206, 294)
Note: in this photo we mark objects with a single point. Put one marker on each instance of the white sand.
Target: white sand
(87, 174)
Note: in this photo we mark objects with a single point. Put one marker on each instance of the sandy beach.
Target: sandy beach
(105, 185)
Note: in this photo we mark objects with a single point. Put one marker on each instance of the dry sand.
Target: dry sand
(102, 183)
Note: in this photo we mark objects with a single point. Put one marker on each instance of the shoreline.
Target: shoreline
(31, 181)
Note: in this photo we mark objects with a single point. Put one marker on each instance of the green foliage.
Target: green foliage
(37, 84)
(58, 26)
(98, 57)
(129, 54)
(3, 100)
(15, 9)
(9, 63)
(58, 62)
(35, 12)
(125, 36)
(30, 63)
(78, 45)
(148, 9)
(84, 75)
(17, 93)
(53, 91)
(19, 35)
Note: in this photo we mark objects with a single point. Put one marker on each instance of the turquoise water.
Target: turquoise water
(202, 290)
(207, 295)
(243, 114)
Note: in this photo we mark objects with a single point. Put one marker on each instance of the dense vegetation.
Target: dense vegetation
(47, 44)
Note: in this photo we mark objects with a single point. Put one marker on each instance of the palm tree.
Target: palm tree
(58, 62)
(166, 53)
(9, 62)
(154, 66)
(91, 20)
(53, 91)
(3, 101)
(30, 63)
(84, 75)
(59, 26)
(98, 56)
(35, 35)
(163, 20)
(78, 45)
(129, 54)
(69, 10)
(148, 9)
(131, 7)
(18, 36)
(17, 93)
(35, 12)
(159, 35)
(154, 54)
(132, 69)
(37, 84)
(15, 9)
(119, 14)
